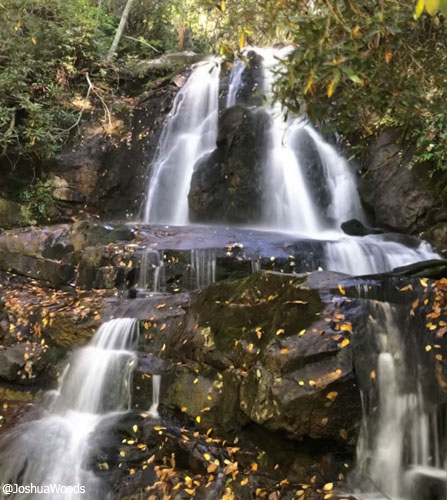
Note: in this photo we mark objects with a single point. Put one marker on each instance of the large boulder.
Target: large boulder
(260, 351)
(398, 197)
(250, 90)
(102, 168)
(226, 184)
(354, 227)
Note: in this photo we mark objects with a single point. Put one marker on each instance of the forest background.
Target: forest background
(359, 66)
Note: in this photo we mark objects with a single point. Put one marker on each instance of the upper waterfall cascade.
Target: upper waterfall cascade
(189, 133)
(293, 148)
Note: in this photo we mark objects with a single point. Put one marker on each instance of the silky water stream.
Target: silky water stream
(54, 449)
(402, 449)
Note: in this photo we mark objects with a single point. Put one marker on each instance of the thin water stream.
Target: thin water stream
(402, 449)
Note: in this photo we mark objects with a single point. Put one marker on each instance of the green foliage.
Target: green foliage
(232, 24)
(153, 24)
(361, 66)
(47, 46)
(431, 6)
(39, 198)
(431, 143)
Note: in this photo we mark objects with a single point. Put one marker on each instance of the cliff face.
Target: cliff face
(103, 169)
(401, 198)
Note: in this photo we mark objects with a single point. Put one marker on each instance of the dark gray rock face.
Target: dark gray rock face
(107, 172)
(12, 360)
(250, 91)
(398, 197)
(259, 352)
(354, 227)
(311, 163)
(227, 184)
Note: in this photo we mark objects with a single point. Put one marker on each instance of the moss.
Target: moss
(255, 308)
(67, 332)
(13, 214)
(11, 395)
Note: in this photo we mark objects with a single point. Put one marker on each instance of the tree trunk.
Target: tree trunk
(119, 31)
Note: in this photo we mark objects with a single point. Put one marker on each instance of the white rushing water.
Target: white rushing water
(399, 449)
(153, 411)
(235, 82)
(190, 132)
(203, 263)
(289, 204)
(55, 448)
(152, 275)
(372, 254)
(309, 187)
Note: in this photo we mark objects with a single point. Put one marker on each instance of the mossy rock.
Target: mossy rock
(13, 214)
(67, 332)
(7, 394)
(253, 310)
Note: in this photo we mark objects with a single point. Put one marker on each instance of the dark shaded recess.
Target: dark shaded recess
(310, 161)
(354, 227)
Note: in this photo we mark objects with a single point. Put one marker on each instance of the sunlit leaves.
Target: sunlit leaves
(332, 395)
(241, 41)
(349, 72)
(431, 6)
(419, 9)
(309, 83)
(333, 84)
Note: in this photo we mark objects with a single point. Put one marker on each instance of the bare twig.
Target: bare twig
(104, 105)
(143, 42)
(92, 88)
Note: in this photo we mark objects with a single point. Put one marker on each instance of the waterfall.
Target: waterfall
(288, 203)
(153, 411)
(256, 265)
(299, 160)
(337, 175)
(55, 449)
(401, 448)
(152, 271)
(308, 188)
(235, 83)
(203, 263)
(190, 132)
(372, 254)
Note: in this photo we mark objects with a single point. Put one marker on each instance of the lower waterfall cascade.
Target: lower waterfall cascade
(94, 388)
(402, 449)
